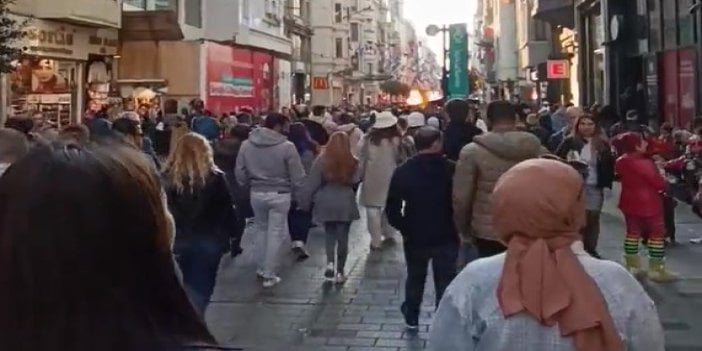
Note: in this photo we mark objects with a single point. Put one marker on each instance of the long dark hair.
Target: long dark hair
(299, 136)
(85, 256)
(598, 141)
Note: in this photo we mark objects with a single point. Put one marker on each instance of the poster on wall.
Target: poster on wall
(651, 74)
(230, 82)
(687, 86)
(668, 68)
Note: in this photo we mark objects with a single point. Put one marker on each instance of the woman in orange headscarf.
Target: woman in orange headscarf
(545, 293)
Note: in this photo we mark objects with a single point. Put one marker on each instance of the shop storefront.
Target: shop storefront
(65, 70)
(239, 77)
(673, 37)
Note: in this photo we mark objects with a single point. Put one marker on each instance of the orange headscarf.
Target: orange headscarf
(537, 210)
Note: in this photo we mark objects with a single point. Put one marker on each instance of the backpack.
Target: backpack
(206, 126)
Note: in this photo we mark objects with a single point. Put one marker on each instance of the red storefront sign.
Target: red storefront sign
(687, 86)
(679, 86)
(237, 78)
(669, 86)
(320, 83)
(558, 69)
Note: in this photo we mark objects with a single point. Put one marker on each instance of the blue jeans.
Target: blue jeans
(467, 254)
(198, 260)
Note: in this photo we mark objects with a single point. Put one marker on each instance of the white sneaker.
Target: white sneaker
(340, 278)
(329, 272)
(260, 274)
(297, 243)
(271, 282)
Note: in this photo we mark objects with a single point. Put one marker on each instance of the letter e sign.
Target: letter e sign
(558, 69)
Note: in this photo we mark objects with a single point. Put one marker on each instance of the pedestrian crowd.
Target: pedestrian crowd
(111, 233)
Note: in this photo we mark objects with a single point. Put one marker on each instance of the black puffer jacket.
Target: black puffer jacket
(205, 213)
(456, 136)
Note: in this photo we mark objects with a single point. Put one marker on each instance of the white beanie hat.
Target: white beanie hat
(434, 122)
(416, 119)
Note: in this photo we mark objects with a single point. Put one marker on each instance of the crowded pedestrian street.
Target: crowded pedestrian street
(307, 313)
(350, 175)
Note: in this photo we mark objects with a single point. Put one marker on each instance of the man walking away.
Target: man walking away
(423, 185)
(202, 124)
(461, 128)
(480, 164)
(270, 166)
(318, 124)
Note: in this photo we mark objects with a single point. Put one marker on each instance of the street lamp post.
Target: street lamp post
(432, 30)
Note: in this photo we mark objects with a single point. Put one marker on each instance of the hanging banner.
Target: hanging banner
(458, 57)
(652, 83)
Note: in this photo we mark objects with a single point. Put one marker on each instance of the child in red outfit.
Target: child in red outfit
(640, 202)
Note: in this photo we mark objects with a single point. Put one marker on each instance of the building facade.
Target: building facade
(241, 56)
(534, 48)
(330, 56)
(67, 60)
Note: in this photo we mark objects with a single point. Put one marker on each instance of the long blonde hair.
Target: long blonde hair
(190, 163)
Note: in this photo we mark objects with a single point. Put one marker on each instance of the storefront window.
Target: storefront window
(654, 37)
(43, 85)
(686, 23)
(670, 28)
(138, 3)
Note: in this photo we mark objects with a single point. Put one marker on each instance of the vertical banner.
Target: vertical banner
(669, 87)
(652, 91)
(687, 86)
(458, 57)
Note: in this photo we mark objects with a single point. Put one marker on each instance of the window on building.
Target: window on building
(137, 3)
(670, 25)
(354, 32)
(171, 5)
(540, 30)
(686, 23)
(295, 8)
(370, 68)
(338, 13)
(193, 13)
(654, 26)
(339, 47)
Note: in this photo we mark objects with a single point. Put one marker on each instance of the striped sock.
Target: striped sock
(656, 249)
(631, 245)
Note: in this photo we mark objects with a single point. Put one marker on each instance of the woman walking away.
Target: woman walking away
(225, 154)
(587, 144)
(545, 292)
(379, 153)
(640, 202)
(300, 222)
(96, 272)
(205, 219)
(329, 190)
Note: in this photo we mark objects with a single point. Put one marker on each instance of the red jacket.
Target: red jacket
(642, 186)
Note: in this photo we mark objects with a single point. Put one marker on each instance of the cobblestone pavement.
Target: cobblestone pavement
(303, 313)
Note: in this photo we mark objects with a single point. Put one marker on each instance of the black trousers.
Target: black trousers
(443, 265)
(487, 248)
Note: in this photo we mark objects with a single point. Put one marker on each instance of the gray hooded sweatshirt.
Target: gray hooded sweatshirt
(268, 162)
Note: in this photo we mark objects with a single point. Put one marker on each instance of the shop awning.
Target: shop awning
(555, 12)
(150, 25)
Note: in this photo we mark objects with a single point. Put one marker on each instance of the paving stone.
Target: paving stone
(305, 314)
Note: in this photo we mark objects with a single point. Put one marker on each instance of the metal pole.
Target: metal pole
(444, 72)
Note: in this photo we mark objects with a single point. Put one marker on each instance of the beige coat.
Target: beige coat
(378, 163)
(480, 165)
